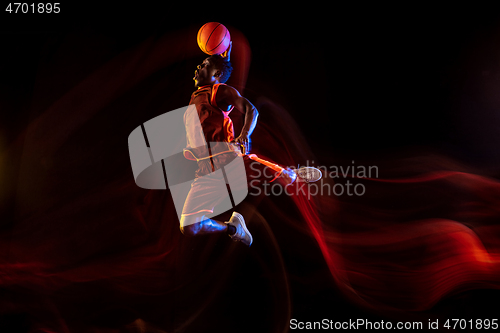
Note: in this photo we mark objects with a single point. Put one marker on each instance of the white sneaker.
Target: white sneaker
(308, 174)
(242, 234)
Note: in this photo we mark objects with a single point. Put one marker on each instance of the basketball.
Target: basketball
(213, 38)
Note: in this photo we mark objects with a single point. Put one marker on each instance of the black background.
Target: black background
(359, 82)
(355, 78)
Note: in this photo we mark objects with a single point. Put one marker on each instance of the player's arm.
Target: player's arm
(229, 96)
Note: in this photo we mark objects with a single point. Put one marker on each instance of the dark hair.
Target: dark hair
(223, 65)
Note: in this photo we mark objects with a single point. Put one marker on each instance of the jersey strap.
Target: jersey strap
(228, 124)
(214, 93)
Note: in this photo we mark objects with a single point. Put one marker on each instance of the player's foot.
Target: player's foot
(308, 174)
(288, 176)
(242, 234)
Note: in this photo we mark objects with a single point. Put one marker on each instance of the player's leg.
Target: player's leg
(193, 225)
(304, 174)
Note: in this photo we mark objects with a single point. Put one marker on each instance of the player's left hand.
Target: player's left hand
(244, 141)
(227, 53)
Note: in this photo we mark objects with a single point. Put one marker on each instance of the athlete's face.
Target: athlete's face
(205, 74)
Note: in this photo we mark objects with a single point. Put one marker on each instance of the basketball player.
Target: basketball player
(214, 100)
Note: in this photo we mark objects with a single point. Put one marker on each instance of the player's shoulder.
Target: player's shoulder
(225, 89)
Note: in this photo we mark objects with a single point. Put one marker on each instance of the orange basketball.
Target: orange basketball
(213, 38)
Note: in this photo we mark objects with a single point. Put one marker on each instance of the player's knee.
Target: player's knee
(189, 230)
(188, 226)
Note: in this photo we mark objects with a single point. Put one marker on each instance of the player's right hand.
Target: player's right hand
(244, 141)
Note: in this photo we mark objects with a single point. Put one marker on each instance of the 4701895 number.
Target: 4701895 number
(33, 8)
(478, 324)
